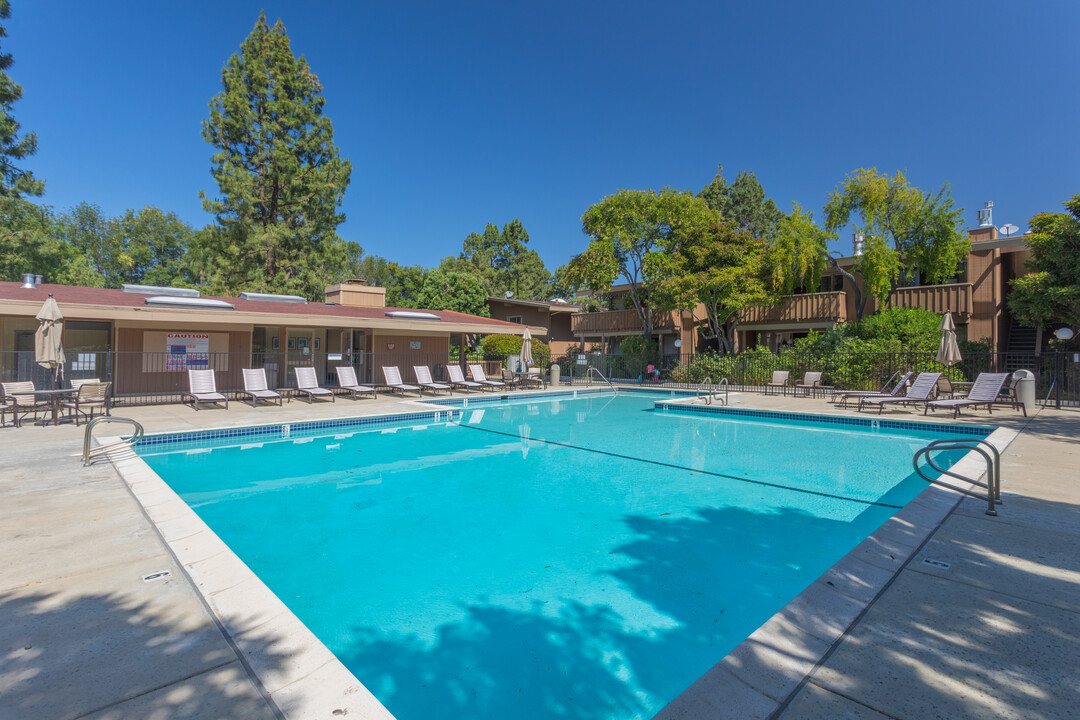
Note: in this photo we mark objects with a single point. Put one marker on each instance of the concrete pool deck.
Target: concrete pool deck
(994, 633)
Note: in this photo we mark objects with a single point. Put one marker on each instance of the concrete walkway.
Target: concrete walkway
(995, 633)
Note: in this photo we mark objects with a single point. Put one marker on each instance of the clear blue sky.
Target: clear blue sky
(459, 114)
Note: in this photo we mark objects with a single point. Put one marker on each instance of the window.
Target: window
(515, 319)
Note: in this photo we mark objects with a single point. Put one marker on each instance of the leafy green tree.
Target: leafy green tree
(796, 256)
(563, 284)
(1051, 293)
(14, 181)
(459, 292)
(278, 171)
(904, 228)
(503, 261)
(720, 266)
(30, 243)
(743, 203)
(151, 246)
(630, 233)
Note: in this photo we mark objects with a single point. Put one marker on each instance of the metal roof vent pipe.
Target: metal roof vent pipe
(37, 280)
(28, 281)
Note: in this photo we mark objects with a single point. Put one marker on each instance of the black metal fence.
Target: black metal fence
(149, 378)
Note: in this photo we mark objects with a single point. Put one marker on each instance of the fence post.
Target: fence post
(1059, 375)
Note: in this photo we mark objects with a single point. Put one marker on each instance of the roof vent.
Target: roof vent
(154, 290)
(28, 281)
(410, 315)
(264, 297)
(196, 303)
(986, 215)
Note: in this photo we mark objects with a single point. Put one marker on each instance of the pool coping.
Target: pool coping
(314, 683)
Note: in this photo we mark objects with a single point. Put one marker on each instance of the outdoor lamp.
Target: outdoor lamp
(1064, 333)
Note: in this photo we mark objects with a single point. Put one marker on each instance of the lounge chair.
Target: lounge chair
(779, 380)
(457, 379)
(255, 387)
(985, 391)
(202, 388)
(479, 376)
(921, 390)
(307, 382)
(811, 383)
(423, 379)
(886, 391)
(21, 405)
(346, 377)
(392, 376)
(90, 395)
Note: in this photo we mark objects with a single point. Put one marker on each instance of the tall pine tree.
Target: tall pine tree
(279, 173)
(14, 182)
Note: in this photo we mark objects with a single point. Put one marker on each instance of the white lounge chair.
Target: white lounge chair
(346, 377)
(779, 380)
(457, 379)
(255, 387)
(920, 391)
(885, 391)
(479, 376)
(392, 376)
(203, 389)
(984, 391)
(307, 382)
(423, 379)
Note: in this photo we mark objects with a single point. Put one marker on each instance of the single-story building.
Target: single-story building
(142, 338)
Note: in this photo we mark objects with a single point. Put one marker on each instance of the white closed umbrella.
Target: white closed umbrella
(948, 351)
(48, 346)
(526, 347)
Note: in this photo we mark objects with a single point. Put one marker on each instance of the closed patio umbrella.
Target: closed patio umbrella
(48, 347)
(948, 352)
(526, 347)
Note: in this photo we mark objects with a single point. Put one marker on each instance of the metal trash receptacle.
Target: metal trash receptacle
(555, 371)
(1024, 387)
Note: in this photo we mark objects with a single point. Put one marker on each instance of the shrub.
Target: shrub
(511, 345)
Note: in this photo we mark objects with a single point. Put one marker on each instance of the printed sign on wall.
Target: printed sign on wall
(187, 351)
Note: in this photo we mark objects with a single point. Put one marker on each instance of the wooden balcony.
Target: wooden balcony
(808, 308)
(954, 297)
(620, 322)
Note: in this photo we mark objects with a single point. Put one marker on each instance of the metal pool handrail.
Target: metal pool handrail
(710, 390)
(89, 453)
(588, 377)
(993, 468)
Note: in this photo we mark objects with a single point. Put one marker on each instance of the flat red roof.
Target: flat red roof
(78, 295)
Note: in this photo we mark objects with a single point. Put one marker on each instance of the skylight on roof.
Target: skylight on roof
(412, 315)
(198, 303)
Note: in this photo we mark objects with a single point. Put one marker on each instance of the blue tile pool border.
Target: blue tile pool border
(470, 400)
(872, 423)
(290, 429)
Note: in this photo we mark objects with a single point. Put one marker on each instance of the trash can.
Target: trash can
(555, 370)
(1024, 387)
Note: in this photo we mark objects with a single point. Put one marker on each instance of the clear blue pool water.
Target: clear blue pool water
(562, 558)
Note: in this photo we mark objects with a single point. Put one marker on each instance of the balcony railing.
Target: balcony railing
(620, 322)
(955, 297)
(810, 307)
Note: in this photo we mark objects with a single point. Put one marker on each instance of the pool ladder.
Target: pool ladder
(993, 468)
(710, 390)
(589, 374)
(89, 453)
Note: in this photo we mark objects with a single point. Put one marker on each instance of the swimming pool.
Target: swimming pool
(585, 557)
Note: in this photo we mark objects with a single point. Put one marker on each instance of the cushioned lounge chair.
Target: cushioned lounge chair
(457, 379)
(985, 391)
(392, 376)
(307, 382)
(346, 377)
(479, 376)
(922, 390)
(90, 396)
(202, 388)
(779, 380)
(255, 387)
(423, 379)
(21, 405)
(887, 390)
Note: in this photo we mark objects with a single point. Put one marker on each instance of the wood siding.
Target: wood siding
(954, 297)
(621, 322)
(806, 308)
